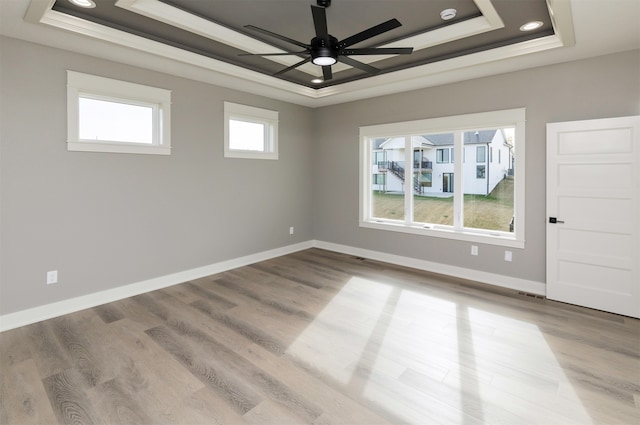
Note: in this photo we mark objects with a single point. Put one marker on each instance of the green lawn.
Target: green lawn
(492, 212)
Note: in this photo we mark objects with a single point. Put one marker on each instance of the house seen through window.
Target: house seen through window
(426, 190)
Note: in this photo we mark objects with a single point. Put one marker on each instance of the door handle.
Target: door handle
(554, 220)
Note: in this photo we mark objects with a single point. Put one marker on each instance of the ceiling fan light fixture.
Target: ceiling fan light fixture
(324, 60)
(324, 52)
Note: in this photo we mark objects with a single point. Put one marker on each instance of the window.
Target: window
(480, 201)
(425, 179)
(480, 154)
(106, 115)
(442, 156)
(250, 132)
(378, 158)
(379, 179)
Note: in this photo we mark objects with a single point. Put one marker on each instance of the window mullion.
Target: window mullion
(408, 180)
(458, 181)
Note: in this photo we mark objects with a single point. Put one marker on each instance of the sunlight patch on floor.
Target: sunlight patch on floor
(336, 351)
(424, 357)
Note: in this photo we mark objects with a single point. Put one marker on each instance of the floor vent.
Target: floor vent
(360, 258)
(526, 294)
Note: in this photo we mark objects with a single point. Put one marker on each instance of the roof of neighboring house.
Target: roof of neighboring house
(445, 139)
(470, 137)
(398, 142)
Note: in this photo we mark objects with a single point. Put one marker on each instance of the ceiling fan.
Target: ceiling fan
(325, 50)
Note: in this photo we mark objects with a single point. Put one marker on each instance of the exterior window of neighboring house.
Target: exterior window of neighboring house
(425, 179)
(249, 132)
(442, 156)
(480, 154)
(378, 158)
(379, 179)
(479, 202)
(107, 115)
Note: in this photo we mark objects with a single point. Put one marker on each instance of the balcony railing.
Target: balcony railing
(422, 165)
(417, 165)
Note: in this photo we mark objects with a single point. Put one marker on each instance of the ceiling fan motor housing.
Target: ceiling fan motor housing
(324, 48)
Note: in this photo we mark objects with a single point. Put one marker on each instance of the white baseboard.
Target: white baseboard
(518, 284)
(48, 311)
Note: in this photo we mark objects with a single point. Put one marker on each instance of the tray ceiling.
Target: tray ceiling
(216, 29)
(203, 39)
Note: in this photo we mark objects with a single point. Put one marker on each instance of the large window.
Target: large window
(250, 132)
(106, 115)
(479, 201)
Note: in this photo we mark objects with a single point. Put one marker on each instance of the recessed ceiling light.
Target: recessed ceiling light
(88, 4)
(317, 80)
(530, 26)
(448, 14)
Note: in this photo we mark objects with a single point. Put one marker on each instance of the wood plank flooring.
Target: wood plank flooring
(317, 338)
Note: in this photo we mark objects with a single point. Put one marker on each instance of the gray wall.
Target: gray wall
(106, 220)
(596, 88)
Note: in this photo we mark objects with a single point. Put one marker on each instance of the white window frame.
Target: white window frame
(81, 85)
(251, 114)
(457, 124)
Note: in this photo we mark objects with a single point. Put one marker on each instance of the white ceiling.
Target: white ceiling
(584, 28)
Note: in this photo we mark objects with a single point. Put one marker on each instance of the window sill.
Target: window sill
(434, 231)
(117, 148)
(250, 154)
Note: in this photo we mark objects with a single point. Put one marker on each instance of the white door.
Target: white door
(593, 196)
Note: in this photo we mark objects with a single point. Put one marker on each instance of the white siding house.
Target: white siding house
(487, 160)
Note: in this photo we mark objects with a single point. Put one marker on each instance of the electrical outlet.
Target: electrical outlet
(474, 250)
(52, 277)
(291, 230)
(508, 256)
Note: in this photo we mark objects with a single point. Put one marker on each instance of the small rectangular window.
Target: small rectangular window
(107, 115)
(481, 154)
(480, 171)
(97, 118)
(442, 156)
(379, 179)
(250, 132)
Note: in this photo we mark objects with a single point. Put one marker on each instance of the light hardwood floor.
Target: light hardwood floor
(318, 337)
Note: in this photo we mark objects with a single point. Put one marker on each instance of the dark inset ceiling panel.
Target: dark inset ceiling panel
(422, 28)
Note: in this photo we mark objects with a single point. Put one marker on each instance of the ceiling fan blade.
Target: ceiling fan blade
(326, 73)
(278, 36)
(368, 33)
(274, 54)
(320, 21)
(378, 51)
(357, 64)
(302, 62)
